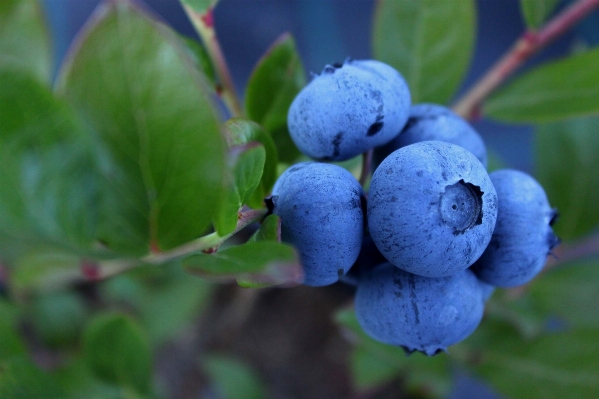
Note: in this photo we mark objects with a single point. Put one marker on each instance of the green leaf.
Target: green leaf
(78, 381)
(118, 352)
(48, 174)
(274, 83)
(429, 42)
(44, 269)
(11, 343)
(374, 363)
(58, 318)
(270, 229)
(556, 365)
(569, 293)
(200, 57)
(233, 379)
(254, 264)
(240, 131)
(20, 378)
(200, 6)
(566, 155)
(153, 111)
(535, 12)
(561, 89)
(166, 309)
(24, 38)
(246, 166)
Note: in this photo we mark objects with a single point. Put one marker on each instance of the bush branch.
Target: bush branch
(523, 49)
(204, 25)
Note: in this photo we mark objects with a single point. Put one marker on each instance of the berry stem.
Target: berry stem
(204, 25)
(366, 167)
(529, 43)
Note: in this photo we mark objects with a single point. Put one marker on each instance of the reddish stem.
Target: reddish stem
(523, 49)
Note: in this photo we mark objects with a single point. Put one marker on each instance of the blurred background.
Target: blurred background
(288, 336)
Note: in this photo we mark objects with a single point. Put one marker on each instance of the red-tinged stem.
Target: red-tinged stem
(523, 49)
(91, 270)
(204, 25)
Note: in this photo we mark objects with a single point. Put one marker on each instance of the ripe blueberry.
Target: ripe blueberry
(349, 109)
(523, 236)
(435, 122)
(321, 210)
(431, 208)
(426, 314)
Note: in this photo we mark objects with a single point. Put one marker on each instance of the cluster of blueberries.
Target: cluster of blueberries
(435, 233)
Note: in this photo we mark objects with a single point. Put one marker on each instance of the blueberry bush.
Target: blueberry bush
(346, 234)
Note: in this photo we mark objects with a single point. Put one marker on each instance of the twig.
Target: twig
(525, 47)
(204, 25)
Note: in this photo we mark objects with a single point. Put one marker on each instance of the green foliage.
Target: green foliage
(41, 142)
(240, 131)
(561, 89)
(118, 351)
(556, 364)
(430, 42)
(246, 163)
(274, 83)
(566, 155)
(58, 318)
(158, 124)
(536, 11)
(569, 294)
(232, 378)
(24, 38)
(20, 378)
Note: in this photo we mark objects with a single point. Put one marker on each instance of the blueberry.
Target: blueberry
(369, 258)
(435, 122)
(321, 209)
(523, 236)
(349, 109)
(425, 314)
(431, 208)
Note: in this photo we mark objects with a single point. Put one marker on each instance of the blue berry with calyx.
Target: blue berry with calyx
(349, 109)
(321, 207)
(431, 208)
(523, 236)
(418, 313)
(435, 122)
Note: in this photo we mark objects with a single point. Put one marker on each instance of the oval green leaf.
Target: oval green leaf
(24, 38)
(567, 165)
(241, 131)
(274, 83)
(48, 174)
(560, 364)
(561, 89)
(118, 352)
(246, 163)
(430, 42)
(154, 113)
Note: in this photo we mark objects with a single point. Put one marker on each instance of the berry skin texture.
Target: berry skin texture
(435, 122)
(321, 210)
(418, 313)
(349, 109)
(523, 236)
(431, 208)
